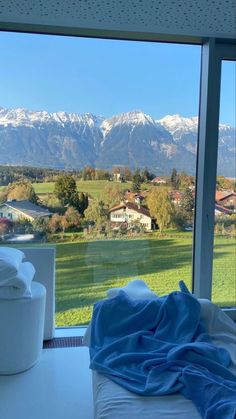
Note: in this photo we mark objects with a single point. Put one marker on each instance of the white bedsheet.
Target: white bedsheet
(114, 402)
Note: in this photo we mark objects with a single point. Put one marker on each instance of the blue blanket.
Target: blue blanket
(161, 347)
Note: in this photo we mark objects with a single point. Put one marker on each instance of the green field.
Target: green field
(86, 270)
(92, 187)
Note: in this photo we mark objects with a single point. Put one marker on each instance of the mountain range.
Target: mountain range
(71, 141)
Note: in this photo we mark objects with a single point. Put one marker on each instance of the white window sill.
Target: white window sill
(61, 332)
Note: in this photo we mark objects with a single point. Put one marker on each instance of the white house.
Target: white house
(22, 210)
(159, 180)
(130, 213)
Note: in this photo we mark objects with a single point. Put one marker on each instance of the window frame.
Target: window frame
(212, 56)
(213, 52)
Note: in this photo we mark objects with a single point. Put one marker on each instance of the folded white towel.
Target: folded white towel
(20, 285)
(10, 260)
(134, 289)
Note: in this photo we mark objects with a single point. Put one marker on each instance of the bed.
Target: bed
(111, 385)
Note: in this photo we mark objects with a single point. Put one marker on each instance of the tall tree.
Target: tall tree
(127, 174)
(174, 179)
(97, 212)
(111, 194)
(136, 181)
(71, 219)
(185, 181)
(83, 202)
(224, 183)
(160, 207)
(66, 190)
(146, 175)
(187, 204)
(54, 223)
(22, 190)
(88, 173)
(3, 196)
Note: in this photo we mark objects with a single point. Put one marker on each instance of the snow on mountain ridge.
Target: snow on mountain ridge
(130, 118)
(21, 116)
(174, 122)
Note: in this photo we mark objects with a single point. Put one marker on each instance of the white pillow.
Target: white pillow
(10, 260)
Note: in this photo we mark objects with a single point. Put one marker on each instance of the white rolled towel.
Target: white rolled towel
(10, 260)
(20, 285)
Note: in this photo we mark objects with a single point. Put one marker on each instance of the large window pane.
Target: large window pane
(224, 263)
(105, 132)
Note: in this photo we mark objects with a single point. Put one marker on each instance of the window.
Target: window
(224, 274)
(159, 140)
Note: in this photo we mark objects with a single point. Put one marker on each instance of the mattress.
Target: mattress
(111, 401)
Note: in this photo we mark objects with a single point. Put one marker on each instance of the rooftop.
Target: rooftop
(28, 208)
(132, 206)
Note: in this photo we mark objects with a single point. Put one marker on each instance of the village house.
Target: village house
(118, 173)
(176, 197)
(159, 181)
(136, 197)
(130, 213)
(221, 210)
(226, 199)
(22, 210)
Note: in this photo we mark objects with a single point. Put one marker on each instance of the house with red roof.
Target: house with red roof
(221, 210)
(136, 197)
(159, 180)
(131, 213)
(176, 197)
(226, 199)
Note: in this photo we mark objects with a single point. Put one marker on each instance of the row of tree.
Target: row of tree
(73, 209)
(10, 174)
(181, 180)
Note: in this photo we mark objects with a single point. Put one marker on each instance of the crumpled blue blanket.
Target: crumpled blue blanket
(159, 347)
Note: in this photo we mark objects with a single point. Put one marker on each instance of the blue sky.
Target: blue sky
(105, 77)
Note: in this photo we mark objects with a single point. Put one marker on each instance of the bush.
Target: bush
(23, 227)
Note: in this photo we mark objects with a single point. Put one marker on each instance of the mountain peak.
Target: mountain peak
(175, 121)
(132, 118)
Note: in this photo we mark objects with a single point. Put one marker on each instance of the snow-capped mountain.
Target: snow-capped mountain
(21, 116)
(135, 139)
(178, 125)
(185, 130)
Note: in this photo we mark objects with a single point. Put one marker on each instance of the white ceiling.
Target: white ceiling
(157, 19)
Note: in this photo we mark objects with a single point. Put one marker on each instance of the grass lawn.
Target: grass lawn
(43, 188)
(92, 187)
(86, 270)
(224, 271)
